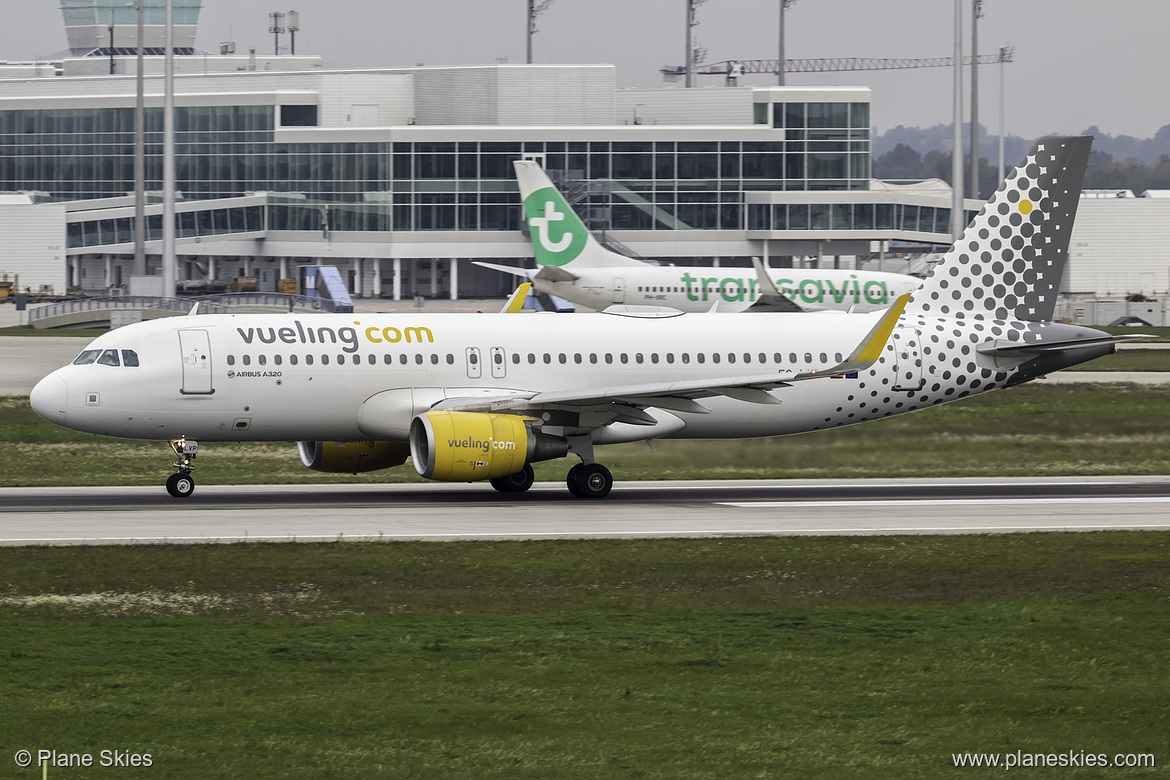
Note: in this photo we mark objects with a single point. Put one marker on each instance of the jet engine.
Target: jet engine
(469, 446)
(352, 457)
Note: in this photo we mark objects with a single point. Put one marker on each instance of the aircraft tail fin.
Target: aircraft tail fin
(1009, 261)
(559, 237)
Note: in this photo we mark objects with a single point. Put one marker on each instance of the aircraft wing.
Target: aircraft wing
(682, 395)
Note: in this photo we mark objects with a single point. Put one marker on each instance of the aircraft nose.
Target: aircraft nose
(49, 398)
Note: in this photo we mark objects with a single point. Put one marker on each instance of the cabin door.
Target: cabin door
(195, 347)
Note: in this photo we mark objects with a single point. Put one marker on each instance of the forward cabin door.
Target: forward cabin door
(195, 347)
(907, 360)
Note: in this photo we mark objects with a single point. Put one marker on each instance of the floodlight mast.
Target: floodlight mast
(534, 11)
(784, 4)
(976, 15)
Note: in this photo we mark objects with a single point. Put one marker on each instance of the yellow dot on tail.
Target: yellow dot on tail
(1025, 207)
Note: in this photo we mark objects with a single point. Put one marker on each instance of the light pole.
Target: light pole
(957, 221)
(976, 15)
(780, 59)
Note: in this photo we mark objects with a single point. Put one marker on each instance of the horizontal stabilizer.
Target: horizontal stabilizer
(507, 269)
(1010, 348)
(554, 273)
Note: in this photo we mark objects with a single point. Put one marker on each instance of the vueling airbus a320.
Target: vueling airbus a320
(482, 397)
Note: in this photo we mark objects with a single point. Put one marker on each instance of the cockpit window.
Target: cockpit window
(130, 358)
(109, 358)
(87, 357)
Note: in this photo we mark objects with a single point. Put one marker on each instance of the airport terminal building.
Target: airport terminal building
(401, 177)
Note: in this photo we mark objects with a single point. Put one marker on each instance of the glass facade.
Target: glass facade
(229, 151)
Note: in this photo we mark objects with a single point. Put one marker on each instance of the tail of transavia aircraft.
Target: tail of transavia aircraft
(559, 237)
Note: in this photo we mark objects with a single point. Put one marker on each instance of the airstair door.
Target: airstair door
(907, 360)
(619, 290)
(195, 347)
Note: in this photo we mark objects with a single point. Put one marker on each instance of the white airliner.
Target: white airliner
(571, 264)
(482, 396)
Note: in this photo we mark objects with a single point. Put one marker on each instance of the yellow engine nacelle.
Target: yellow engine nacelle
(352, 457)
(468, 446)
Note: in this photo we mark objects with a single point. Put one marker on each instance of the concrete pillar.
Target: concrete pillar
(109, 271)
(377, 286)
(397, 278)
(284, 268)
(248, 266)
(454, 279)
(433, 265)
(211, 268)
(357, 277)
(75, 272)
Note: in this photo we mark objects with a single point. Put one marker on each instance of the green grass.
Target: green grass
(1036, 429)
(1130, 360)
(810, 658)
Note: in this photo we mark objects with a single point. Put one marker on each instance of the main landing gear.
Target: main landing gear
(515, 483)
(589, 480)
(182, 484)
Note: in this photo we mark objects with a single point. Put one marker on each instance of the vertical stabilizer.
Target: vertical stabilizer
(1010, 259)
(559, 237)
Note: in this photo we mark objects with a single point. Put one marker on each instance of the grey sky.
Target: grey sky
(1077, 62)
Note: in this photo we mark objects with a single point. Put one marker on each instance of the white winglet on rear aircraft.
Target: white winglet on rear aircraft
(483, 396)
(571, 264)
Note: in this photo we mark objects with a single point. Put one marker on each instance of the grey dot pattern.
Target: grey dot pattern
(1009, 261)
(997, 284)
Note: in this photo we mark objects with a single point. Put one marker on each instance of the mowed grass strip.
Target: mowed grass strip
(1037, 429)
(874, 657)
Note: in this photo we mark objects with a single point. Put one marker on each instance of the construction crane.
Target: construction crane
(833, 64)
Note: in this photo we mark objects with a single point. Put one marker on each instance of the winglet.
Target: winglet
(870, 348)
(767, 286)
(515, 303)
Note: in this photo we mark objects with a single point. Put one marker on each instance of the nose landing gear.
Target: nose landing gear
(182, 484)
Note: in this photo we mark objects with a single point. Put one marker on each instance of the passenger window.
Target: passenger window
(547, 358)
(608, 357)
(807, 357)
(653, 357)
(418, 358)
(824, 358)
(277, 359)
(515, 358)
(714, 357)
(450, 359)
(402, 358)
(592, 357)
(577, 357)
(247, 360)
(838, 357)
(372, 359)
(263, 359)
(324, 360)
(531, 358)
(686, 358)
(702, 358)
(231, 360)
(130, 358)
(308, 360)
(498, 358)
(625, 358)
(109, 358)
(638, 357)
(561, 357)
(434, 359)
(292, 360)
(87, 357)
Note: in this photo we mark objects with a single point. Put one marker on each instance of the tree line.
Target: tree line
(1144, 166)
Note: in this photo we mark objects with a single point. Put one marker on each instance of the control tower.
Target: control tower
(88, 25)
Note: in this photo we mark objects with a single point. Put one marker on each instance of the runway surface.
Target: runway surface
(100, 515)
